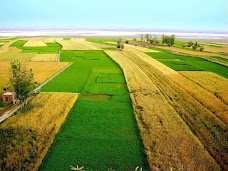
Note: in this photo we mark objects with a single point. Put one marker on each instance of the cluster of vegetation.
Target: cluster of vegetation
(148, 38)
(194, 46)
(21, 80)
(180, 62)
(169, 40)
(102, 118)
(119, 44)
(26, 137)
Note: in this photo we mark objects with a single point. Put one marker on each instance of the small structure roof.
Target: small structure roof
(8, 93)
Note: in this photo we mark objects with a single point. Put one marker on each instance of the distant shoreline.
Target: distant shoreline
(108, 33)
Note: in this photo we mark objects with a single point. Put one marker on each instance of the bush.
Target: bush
(1, 103)
(127, 41)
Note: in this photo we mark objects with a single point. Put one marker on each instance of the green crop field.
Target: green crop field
(180, 62)
(102, 40)
(51, 48)
(101, 132)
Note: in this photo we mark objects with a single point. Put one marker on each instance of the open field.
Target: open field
(45, 57)
(102, 118)
(208, 99)
(15, 54)
(34, 43)
(83, 42)
(101, 42)
(51, 48)
(178, 120)
(211, 82)
(6, 46)
(71, 45)
(180, 62)
(49, 40)
(190, 51)
(203, 123)
(161, 127)
(42, 71)
(27, 136)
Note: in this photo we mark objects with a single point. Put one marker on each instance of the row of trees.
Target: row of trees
(169, 40)
(149, 38)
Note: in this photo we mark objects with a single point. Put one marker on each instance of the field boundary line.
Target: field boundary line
(9, 113)
(38, 88)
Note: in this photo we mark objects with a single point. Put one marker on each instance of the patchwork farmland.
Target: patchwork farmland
(151, 108)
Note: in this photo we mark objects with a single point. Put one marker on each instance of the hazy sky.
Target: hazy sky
(149, 14)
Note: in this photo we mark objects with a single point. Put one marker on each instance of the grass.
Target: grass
(102, 40)
(51, 48)
(101, 131)
(66, 38)
(180, 62)
(26, 137)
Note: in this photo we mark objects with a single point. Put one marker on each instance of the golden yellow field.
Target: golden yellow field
(13, 53)
(49, 40)
(223, 49)
(212, 82)
(34, 43)
(27, 136)
(208, 99)
(71, 45)
(5, 47)
(85, 43)
(168, 141)
(42, 70)
(45, 57)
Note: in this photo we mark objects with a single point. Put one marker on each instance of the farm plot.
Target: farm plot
(42, 70)
(34, 43)
(208, 99)
(6, 46)
(71, 45)
(90, 45)
(101, 132)
(211, 82)
(27, 136)
(190, 51)
(51, 48)
(14, 54)
(49, 40)
(203, 123)
(45, 57)
(131, 47)
(166, 137)
(180, 62)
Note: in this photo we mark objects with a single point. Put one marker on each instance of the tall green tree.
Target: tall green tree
(21, 80)
(172, 40)
(120, 44)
